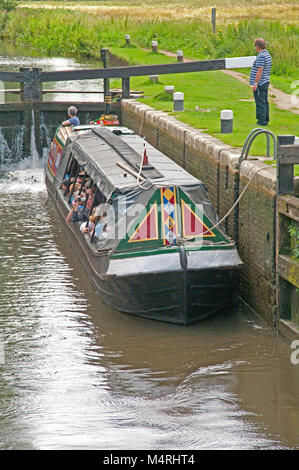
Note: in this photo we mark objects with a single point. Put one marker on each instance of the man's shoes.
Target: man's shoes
(262, 123)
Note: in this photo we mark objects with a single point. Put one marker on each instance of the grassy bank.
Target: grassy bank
(286, 10)
(211, 92)
(82, 32)
(62, 31)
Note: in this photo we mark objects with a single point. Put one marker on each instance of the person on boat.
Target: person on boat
(78, 213)
(90, 195)
(88, 228)
(65, 185)
(100, 226)
(76, 190)
(73, 118)
(101, 240)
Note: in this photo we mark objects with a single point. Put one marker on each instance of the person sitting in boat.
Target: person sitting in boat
(102, 239)
(65, 185)
(88, 228)
(99, 228)
(78, 213)
(76, 190)
(90, 196)
(73, 118)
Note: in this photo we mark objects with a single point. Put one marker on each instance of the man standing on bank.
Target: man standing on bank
(260, 80)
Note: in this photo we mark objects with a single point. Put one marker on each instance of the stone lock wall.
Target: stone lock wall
(257, 240)
(252, 223)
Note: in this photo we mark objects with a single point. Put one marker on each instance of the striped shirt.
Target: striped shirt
(263, 60)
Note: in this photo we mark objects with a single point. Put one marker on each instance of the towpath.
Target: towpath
(281, 99)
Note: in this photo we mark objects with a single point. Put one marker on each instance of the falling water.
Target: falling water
(11, 155)
(5, 152)
(34, 152)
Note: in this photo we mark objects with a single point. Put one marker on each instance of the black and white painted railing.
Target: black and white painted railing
(31, 80)
(130, 71)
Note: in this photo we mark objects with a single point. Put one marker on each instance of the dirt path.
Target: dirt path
(281, 99)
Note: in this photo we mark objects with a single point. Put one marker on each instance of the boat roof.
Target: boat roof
(100, 151)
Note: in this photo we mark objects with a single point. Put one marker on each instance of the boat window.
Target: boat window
(99, 220)
(87, 203)
(68, 166)
(114, 229)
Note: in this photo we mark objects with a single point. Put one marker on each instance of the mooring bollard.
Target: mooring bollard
(180, 56)
(128, 39)
(155, 46)
(154, 78)
(178, 101)
(169, 89)
(226, 121)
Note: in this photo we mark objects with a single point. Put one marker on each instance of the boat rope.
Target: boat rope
(235, 203)
(140, 169)
(239, 198)
(142, 121)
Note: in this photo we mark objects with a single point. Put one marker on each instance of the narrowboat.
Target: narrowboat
(155, 248)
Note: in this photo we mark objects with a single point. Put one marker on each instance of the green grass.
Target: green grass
(58, 31)
(66, 32)
(135, 56)
(215, 91)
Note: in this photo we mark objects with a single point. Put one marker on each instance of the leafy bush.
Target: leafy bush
(8, 5)
(75, 32)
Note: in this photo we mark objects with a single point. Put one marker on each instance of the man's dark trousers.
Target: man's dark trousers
(262, 104)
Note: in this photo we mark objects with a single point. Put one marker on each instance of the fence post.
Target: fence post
(213, 20)
(105, 60)
(285, 171)
(36, 86)
(107, 103)
(26, 85)
(125, 87)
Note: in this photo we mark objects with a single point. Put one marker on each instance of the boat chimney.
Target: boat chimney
(145, 158)
(145, 162)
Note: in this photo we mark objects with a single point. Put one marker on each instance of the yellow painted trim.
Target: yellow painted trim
(201, 221)
(162, 213)
(141, 223)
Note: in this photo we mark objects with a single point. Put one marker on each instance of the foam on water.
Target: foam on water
(27, 173)
(30, 179)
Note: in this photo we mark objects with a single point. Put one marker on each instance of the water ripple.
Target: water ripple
(79, 375)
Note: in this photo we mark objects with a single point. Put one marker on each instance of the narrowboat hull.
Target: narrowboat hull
(179, 287)
(177, 296)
